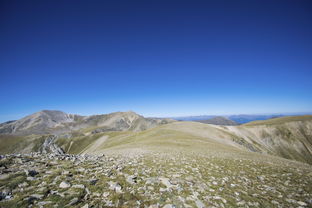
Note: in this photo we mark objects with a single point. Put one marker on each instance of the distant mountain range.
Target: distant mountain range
(59, 132)
(58, 122)
(219, 120)
(238, 119)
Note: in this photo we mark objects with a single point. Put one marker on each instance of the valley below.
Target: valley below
(53, 159)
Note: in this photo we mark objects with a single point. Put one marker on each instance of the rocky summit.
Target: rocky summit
(126, 160)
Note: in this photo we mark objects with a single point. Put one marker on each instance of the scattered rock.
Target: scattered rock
(131, 179)
(115, 186)
(31, 173)
(166, 182)
(199, 204)
(73, 201)
(169, 206)
(4, 176)
(93, 181)
(79, 186)
(64, 184)
(302, 203)
(37, 196)
(85, 206)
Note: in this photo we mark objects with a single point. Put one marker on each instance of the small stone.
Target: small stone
(85, 206)
(93, 181)
(302, 203)
(65, 172)
(131, 179)
(42, 203)
(261, 178)
(64, 184)
(118, 188)
(29, 178)
(8, 197)
(37, 196)
(4, 176)
(162, 189)
(199, 204)
(31, 173)
(79, 186)
(96, 194)
(2, 195)
(115, 186)
(166, 182)
(73, 201)
(168, 206)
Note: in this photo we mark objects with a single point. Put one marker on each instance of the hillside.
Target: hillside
(38, 123)
(57, 122)
(281, 120)
(291, 140)
(159, 163)
(287, 137)
(242, 119)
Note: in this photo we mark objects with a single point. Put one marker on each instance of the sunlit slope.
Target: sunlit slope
(288, 137)
(281, 120)
(20, 144)
(177, 136)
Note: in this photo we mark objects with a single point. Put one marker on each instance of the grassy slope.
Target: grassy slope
(19, 144)
(170, 137)
(203, 160)
(282, 120)
(290, 140)
(288, 137)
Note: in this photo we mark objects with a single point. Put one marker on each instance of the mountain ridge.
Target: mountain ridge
(287, 137)
(219, 120)
(58, 122)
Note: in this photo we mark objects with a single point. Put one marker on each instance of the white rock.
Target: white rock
(64, 184)
(199, 204)
(302, 203)
(105, 194)
(80, 186)
(166, 182)
(85, 206)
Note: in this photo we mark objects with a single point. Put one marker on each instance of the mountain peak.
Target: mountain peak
(58, 122)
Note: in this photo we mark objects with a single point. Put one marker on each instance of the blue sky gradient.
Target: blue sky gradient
(158, 58)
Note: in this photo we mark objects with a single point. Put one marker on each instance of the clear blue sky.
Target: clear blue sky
(158, 58)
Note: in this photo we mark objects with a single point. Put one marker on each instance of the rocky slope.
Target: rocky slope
(176, 164)
(57, 122)
(152, 180)
(38, 123)
(288, 137)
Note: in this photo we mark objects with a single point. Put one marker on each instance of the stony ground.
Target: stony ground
(151, 180)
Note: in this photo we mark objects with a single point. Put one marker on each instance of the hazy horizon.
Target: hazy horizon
(17, 117)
